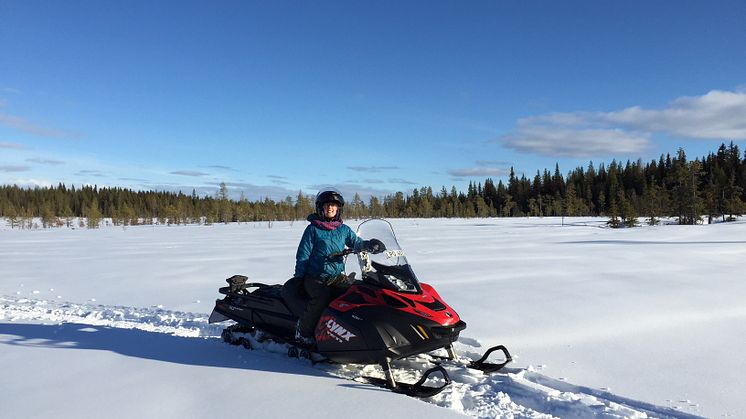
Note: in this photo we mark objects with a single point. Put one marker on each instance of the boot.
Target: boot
(302, 340)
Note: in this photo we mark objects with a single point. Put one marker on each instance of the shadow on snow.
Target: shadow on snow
(206, 352)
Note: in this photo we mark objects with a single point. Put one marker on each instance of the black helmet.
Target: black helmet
(326, 196)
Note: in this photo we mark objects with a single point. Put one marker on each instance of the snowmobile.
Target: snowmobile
(385, 315)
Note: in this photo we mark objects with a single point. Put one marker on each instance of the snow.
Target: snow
(601, 322)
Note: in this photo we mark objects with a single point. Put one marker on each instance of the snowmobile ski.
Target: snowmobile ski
(488, 367)
(418, 389)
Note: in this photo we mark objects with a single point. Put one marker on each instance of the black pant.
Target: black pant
(320, 295)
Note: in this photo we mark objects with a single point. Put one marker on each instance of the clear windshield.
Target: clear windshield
(389, 269)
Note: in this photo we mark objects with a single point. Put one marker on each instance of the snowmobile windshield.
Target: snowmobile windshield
(390, 268)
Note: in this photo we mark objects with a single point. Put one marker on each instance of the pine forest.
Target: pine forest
(691, 191)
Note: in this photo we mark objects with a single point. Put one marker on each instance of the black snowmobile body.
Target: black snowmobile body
(386, 315)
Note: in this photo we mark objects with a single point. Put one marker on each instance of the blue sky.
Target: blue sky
(273, 97)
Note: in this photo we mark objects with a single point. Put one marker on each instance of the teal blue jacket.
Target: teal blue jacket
(317, 244)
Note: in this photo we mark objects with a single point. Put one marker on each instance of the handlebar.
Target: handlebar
(374, 246)
(342, 253)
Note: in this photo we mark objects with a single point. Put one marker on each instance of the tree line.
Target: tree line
(672, 186)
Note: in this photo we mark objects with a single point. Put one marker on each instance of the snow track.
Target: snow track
(513, 393)
(152, 319)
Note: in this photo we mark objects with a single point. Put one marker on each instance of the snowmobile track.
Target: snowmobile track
(512, 392)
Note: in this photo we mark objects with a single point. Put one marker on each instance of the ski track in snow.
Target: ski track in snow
(512, 393)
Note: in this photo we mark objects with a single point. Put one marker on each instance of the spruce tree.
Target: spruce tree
(630, 215)
(48, 218)
(613, 214)
(616, 198)
(734, 206)
(12, 215)
(93, 214)
(128, 215)
(655, 201)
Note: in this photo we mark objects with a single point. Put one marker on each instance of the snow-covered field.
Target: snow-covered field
(616, 323)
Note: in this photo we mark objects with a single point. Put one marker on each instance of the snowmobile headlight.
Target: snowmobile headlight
(399, 284)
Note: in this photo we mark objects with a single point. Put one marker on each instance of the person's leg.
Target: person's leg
(320, 295)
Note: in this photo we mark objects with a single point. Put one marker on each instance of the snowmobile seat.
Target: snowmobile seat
(295, 296)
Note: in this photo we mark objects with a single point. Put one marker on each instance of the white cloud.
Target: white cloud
(30, 183)
(29, 127)
(13, 145)
(94, 173)
(492, 163)
(372, 169)
(45, 161)
(479, 171)
(192, 173)
(573, 142)
(220, 167)
(484, 168)
(14, 168)
(717, 115)
(401, 181)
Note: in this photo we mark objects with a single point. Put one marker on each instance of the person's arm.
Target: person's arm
(304, 252)
(357, 244)
(353, 241)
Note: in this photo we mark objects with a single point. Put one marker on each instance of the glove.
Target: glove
(374, 246)
(340, 280)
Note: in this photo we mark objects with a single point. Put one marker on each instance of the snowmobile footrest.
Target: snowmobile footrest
(418, 389)
(488, 367)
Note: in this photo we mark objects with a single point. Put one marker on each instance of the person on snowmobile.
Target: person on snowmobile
(325, 235)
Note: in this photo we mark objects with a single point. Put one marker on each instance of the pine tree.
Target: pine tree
(734, 205)
(376, 210)
(687, 201)
(534, 209)
(630, 215)
(573, 205)
(224, 207)
(357, 207)
(12, 215)
(67, 214)
(93, 214)
(490, 193)
(128, 215)
(655, 201)
(426, 207)
(613, 214)
(303, 206)
(616, 198)
(483, 210)
(48, 218)
(508, 207)
(710, 202)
